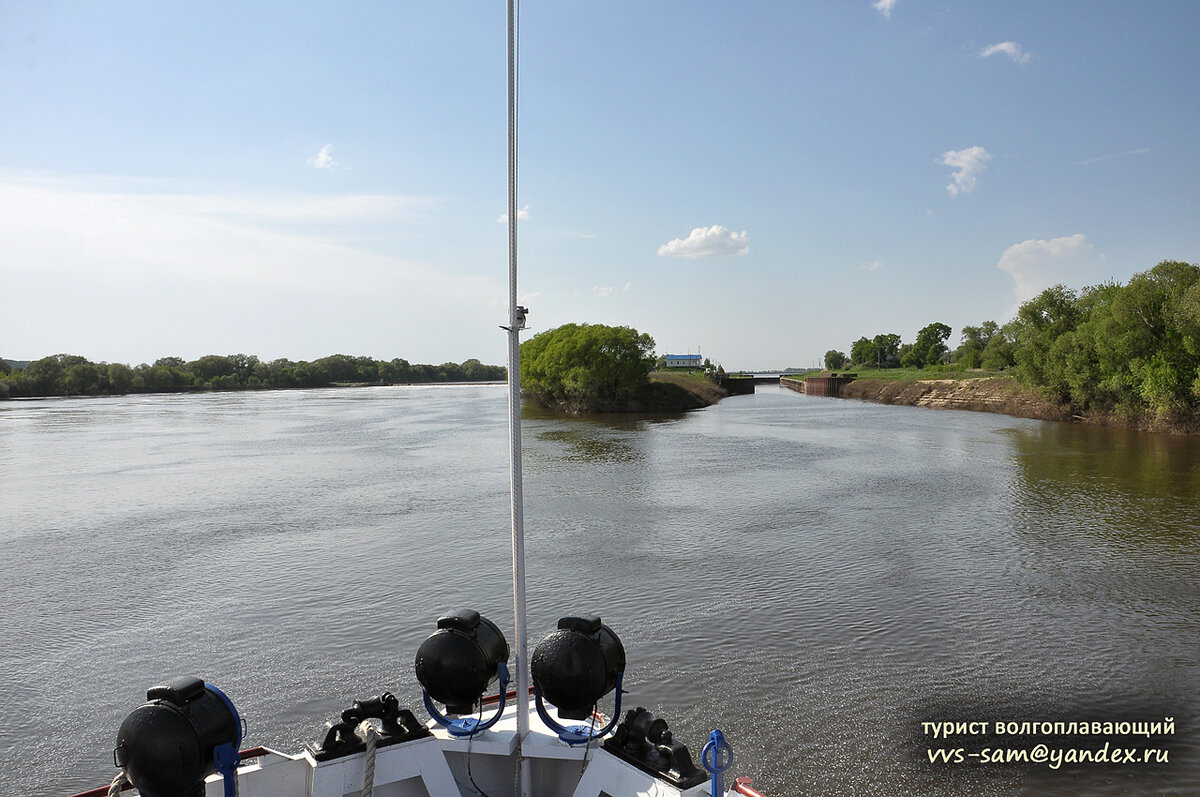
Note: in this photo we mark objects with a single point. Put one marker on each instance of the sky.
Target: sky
(758, 182)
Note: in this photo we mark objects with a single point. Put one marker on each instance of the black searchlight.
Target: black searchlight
(185, 732)
(456, 665)
(573, 668)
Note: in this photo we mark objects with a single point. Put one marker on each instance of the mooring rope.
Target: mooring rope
(370, 737)
(118, 783)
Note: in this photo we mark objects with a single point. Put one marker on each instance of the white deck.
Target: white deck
(444, 766)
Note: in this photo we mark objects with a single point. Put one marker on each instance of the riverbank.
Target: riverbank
(1002, 395)
(664, 393)
(685, 391)
(999, 394)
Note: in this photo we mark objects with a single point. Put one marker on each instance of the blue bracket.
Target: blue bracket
(579, 734)
(716, 758)
(226, 756)
(469, 726)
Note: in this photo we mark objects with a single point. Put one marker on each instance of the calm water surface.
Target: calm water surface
(814, 576)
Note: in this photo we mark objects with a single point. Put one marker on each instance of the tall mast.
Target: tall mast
(516, 322)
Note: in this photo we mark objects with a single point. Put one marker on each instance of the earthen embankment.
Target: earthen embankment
(999, 394)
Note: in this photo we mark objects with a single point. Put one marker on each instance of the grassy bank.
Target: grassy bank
(911, 374)
(694, 389)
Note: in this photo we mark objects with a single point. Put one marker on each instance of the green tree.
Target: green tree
(81, 379)
(119, 378)
(589, 366)
(1039, 323)
(834, 359)
(1145, 338)
(313, 374)
(209, 367)
(338, 367)
(998, 353)
(969, 354)
(168, 374)
(862, 351)
(244, 367)
(887, 350)
(395, 370)
(929, 346)
(280, 373)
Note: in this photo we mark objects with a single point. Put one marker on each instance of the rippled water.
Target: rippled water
(814, 576)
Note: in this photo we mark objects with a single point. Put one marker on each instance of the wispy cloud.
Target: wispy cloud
(609, 290)
(522, 215)
(714, 241)
(324, 158)
(884, 7)
(1039, 264)
(273, 276)
(874, 265)
(1141, 151)
(1011, 49)
(968, 165)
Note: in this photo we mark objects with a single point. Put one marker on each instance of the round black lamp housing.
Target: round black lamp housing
(460, 660)
(166, 746)
(577, 665)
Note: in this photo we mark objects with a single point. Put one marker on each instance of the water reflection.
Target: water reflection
(589, 444)
(1129, 494)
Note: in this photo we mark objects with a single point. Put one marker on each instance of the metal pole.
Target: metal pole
(516, 321)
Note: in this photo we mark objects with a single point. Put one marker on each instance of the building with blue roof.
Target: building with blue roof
(684, 361)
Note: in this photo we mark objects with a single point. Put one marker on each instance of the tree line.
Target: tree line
(1108, 348)
(72, 375)
(887, 350)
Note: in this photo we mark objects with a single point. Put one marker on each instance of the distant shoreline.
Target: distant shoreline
(238, 390)
(73, 375)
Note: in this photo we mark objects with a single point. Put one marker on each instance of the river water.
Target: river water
(816, 577)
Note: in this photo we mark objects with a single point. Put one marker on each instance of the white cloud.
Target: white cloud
(707, 242)
(522, 215)
(324, 158)
(1039, 264)
(1011, 49)
(874, 265)
(884, 7)
(968, 165)
(628, 286)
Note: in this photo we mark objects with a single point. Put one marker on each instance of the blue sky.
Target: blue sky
(756, 181)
